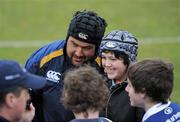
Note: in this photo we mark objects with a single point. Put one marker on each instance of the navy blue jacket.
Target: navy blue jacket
(100, 119)
(50, 62)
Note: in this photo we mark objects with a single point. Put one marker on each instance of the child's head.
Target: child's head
(117, 50)
(121, 43)
(84, 90)
(151, 77)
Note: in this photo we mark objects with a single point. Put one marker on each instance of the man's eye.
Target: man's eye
(75, 45)
(87, 48)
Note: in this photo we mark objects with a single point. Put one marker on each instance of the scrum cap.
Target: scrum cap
(88, 27)
(120, 41)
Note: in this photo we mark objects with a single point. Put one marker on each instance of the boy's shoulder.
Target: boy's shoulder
(169, 114)
(103, 119)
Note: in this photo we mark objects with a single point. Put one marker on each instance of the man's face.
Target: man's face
(18, 103)
(79, 51)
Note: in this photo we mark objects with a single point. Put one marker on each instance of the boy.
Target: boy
(118, 50)
(150, 84)
(85, 93)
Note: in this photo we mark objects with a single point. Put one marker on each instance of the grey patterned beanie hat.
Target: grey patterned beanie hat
(120, 41)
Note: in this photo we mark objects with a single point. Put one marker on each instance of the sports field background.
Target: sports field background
(26, 25)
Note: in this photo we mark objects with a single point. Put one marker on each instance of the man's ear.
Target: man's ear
(10, 100)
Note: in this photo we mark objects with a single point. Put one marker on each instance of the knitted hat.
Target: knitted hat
(120, 41)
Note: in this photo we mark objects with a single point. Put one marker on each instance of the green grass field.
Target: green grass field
(47, 20)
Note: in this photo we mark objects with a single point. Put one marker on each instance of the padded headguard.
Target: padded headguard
(88, 27)
(121, 41)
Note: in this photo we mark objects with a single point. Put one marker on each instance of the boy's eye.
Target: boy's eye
(113, 59)
(120, 58)
(102, 57)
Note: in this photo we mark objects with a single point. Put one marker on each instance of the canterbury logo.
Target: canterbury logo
(53, 76)
(83, 36)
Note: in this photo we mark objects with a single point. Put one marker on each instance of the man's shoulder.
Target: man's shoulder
(51, 47)
(46, 52)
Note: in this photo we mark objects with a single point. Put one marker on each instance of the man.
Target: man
(85, 93)
(150, 84)
(14, 95)
(84, 36)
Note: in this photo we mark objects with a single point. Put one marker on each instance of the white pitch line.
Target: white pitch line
(22, 44)
(157, 40)
(39, 43)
